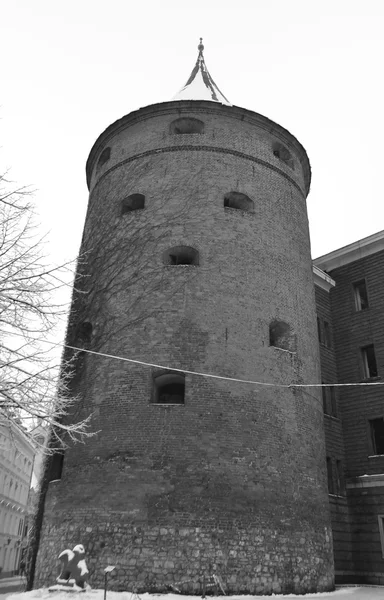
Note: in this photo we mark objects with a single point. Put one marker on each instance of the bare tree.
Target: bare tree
(32, 388)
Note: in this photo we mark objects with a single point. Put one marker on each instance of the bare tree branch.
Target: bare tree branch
(32, 387)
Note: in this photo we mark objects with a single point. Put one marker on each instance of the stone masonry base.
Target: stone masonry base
(161, 558)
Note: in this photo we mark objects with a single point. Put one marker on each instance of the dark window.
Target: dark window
(332, 392)
(327, 335)
(381, 529)
(283, 154)
(325, 398)
(181, 255)
(280, 336)
(361, 296)
(340, 488)
(56, 467)
(104, 157)
(331, 489)
(319, 330)
(186, 125)
(369, 361)
(239, 201)
(132, 202)
(329, 400)
(377, 435)
(169, 388)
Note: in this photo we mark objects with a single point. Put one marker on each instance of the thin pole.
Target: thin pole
(105, 585)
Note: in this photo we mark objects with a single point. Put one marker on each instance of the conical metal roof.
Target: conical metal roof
(200, 85)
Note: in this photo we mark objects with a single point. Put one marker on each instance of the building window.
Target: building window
(104, 157)
(361, 296)
(325, 399)
(283, 154)
(381, 530)
(332, 393)
(369, 361)
(239, 201)
(327, 335)
(56, 467)
(181, 255)
(340, 488)
(319, 330)
(377, 435)
(132, 202)
(281, 336)
(169, 388)
(329, 400)
(186, 125)
(331, 489)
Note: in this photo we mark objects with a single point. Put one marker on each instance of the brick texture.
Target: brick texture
(233, 481)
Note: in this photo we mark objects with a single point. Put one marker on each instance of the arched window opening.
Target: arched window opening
(104, 157)
(239, 201)
(181, 255)
(281, 336)
(186, 125)
(132, 202)
(169, 388)
(84, 332)
(283, 154)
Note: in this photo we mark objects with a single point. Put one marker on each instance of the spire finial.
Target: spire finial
(200, 47)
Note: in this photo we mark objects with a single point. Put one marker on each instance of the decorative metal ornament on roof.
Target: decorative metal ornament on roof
(200, 85)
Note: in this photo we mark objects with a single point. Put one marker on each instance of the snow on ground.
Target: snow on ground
(343, 593)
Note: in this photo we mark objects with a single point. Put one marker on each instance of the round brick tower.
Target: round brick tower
(196, 261)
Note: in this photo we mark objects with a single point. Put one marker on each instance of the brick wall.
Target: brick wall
(334, 442)
(352, 330)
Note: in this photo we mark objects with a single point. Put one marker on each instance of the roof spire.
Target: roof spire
(200, 85)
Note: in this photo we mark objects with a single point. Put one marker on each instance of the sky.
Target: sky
(69, 69)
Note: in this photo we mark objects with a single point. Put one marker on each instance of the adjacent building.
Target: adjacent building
(16, 466)
(350, 318)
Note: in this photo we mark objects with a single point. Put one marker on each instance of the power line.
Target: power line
(249, 381)
(200, 374)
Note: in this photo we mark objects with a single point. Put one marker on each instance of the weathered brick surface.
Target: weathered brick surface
(334, 444)
(354, 330)
(234, 479)
(361, 561)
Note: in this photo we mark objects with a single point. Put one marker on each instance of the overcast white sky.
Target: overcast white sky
(71, 68)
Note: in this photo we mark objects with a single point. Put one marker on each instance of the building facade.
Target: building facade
(16, 465)
(350, 308)
(198, 263)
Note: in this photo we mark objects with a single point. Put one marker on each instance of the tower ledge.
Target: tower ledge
(187, 107)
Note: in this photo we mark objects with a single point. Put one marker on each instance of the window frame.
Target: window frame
(192, 121)
(245, 203)
(172, 252)
(136, 197)
(357, 295)
(380, 519)
(320, 333)
(330, 478)
(366, 371)
(372, 437)
(176, 375)
(327, 334)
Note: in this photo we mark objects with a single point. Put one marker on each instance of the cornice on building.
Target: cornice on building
(351, 253)
(366, 481)
(322, 280)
